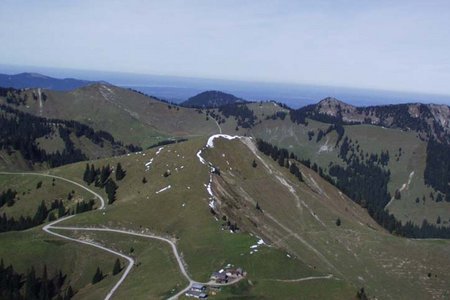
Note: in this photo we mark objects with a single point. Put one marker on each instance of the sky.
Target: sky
(391, 45)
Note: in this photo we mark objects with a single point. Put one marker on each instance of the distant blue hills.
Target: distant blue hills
(36, 80)
(179, 89)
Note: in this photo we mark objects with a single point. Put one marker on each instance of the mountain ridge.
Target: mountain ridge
(430, 120)
(37, 80)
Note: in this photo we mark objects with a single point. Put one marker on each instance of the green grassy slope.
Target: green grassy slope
(29, 196)
(371, 139)
(36, 248)
(129, 116)
(156, 274)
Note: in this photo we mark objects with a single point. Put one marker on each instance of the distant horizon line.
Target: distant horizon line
(212, 79)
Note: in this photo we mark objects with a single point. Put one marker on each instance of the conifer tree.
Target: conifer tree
(120, 172)
(117, 268)
(98, 276)
(86, 173)
(110, 189)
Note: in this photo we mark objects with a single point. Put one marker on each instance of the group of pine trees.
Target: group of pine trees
(437, 170)
(280, 155)
(98, 275)
(101, 178)
(244, 116)
(8, 197)
(28, 286)
(350, 151)
(57, 209)
(22, 223)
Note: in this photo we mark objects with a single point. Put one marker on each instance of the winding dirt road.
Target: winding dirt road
(48, 229)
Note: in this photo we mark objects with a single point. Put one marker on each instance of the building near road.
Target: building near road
(198, 287)
(196, 294)
(229, 273)
(219, 277)
(232, 272)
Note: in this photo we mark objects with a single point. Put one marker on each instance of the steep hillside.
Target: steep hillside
(129, 116)
(329, 143)
(35, 80)
(211, 99)
(301, 217)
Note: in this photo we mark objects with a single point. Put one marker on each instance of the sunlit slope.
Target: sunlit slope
(129, 116)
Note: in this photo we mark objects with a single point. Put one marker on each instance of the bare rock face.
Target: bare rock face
(430, 120)
(441, 114)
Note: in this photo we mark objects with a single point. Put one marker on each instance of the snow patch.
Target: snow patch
(163, 189)
(210, 143)
(148, 164)
(326, 147)
(159, 150)
(258, 243)
(200, 157)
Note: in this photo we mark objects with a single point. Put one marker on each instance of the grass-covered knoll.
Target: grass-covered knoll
(301, 218)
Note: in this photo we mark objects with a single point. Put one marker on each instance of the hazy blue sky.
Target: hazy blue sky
(400, 45)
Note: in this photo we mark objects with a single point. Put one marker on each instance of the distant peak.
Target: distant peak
(31, 74)
(212, 98)
(332, 100)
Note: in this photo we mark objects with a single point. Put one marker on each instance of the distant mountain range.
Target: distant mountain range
(36, 80)
(430, 120)
(212, 99)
